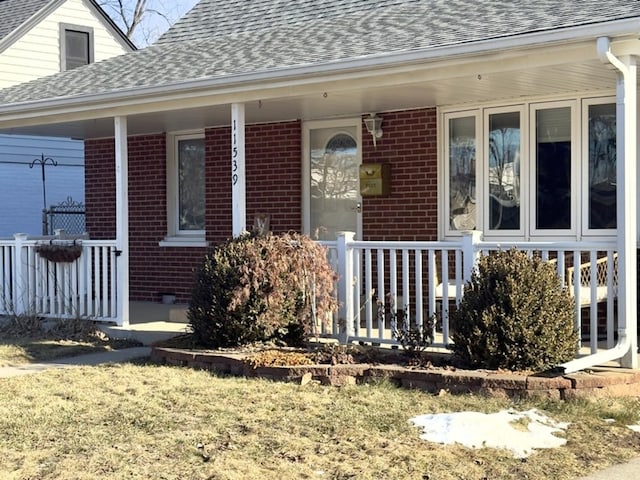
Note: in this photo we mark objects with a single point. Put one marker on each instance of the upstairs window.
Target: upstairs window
(76, 46)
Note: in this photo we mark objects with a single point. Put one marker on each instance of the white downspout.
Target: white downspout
(626, 114)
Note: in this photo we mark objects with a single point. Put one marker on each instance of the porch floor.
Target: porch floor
(151, 322)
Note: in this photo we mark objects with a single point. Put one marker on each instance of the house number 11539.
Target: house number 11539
(234, 152)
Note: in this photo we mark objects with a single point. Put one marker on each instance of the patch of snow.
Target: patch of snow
(635, 427)
(495, 430)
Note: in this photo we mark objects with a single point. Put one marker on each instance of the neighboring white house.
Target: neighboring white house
(40, 38)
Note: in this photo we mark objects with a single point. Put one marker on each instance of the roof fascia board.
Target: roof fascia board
(110, 24)
(29, 24)
(295, 75)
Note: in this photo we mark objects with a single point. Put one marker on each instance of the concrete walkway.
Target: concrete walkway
(625, 471)
(115, 356)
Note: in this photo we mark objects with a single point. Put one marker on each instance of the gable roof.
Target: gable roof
(18, 16)
(227, 39)
(14, 13)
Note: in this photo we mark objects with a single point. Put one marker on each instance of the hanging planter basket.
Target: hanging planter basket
(59, 253)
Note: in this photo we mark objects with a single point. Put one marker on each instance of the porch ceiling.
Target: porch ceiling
(518, 77)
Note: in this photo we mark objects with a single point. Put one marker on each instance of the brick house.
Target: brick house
(517, 121)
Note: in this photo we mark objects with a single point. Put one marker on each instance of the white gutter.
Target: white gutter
(344, 66)
(626, 347)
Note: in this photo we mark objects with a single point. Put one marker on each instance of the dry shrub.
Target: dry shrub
(260, 288)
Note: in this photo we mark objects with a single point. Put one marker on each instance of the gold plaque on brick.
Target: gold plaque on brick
(375, 179)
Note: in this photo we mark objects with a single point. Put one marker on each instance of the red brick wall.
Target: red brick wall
(100, 187)
(409, 145)
(273, 170)
(273, 186)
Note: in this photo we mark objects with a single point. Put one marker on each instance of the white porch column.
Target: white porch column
(238, 179)
(122, 220)
(627, 126)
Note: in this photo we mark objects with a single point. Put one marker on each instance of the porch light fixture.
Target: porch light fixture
(374, 126)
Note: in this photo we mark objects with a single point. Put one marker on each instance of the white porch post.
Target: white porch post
(238, 180)
(345, 286)
(122, 220)
(626, 199)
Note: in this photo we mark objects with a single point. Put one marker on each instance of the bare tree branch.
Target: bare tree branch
(137, 18)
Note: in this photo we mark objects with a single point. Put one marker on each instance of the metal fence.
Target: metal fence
(68, 216)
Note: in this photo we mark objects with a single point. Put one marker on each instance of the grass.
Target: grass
(23, 351)
(139, 421)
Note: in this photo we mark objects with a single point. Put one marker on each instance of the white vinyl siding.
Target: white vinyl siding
(21, 187)
(37, 53)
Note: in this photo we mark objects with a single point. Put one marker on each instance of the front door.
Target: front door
(333, 160)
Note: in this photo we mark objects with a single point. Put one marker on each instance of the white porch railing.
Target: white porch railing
(84, 288)
(425, 279)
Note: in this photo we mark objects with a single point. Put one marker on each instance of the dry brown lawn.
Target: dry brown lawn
(137, 421)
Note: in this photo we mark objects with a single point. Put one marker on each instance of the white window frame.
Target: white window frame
(64, 28)
(575, 168)
(176, 237)
(584, 126)
(475, 114)
(524, 171)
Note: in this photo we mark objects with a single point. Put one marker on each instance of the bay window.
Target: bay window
(516, 171)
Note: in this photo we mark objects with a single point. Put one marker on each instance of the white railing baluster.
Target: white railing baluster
(593, 308)
(368, 314)
(406, 297)
(393, 288)
(431, 272)
(419, 301)
(611, 287)
(104, 304)
(381, 303)
(444, 275)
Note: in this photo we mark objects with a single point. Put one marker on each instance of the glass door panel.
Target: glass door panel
(334, 188)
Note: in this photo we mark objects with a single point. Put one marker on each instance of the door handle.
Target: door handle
(358, 207)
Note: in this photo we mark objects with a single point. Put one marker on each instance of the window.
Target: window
(185, 190)
(515, 171)
(601, 147)
(461, 167)
(553, 148)
(76, 46)
(504, 153)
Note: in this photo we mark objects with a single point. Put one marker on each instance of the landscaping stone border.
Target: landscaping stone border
(597, 382)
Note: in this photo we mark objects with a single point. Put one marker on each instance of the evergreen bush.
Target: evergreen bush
(515, 314)
(260, 288)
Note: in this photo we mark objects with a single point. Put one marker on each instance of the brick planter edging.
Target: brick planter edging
(597, 382)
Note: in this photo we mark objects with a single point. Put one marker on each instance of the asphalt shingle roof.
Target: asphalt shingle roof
(218, 38)
(14, 13)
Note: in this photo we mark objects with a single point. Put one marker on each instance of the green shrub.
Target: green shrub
(514, 315)
(260, 288)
